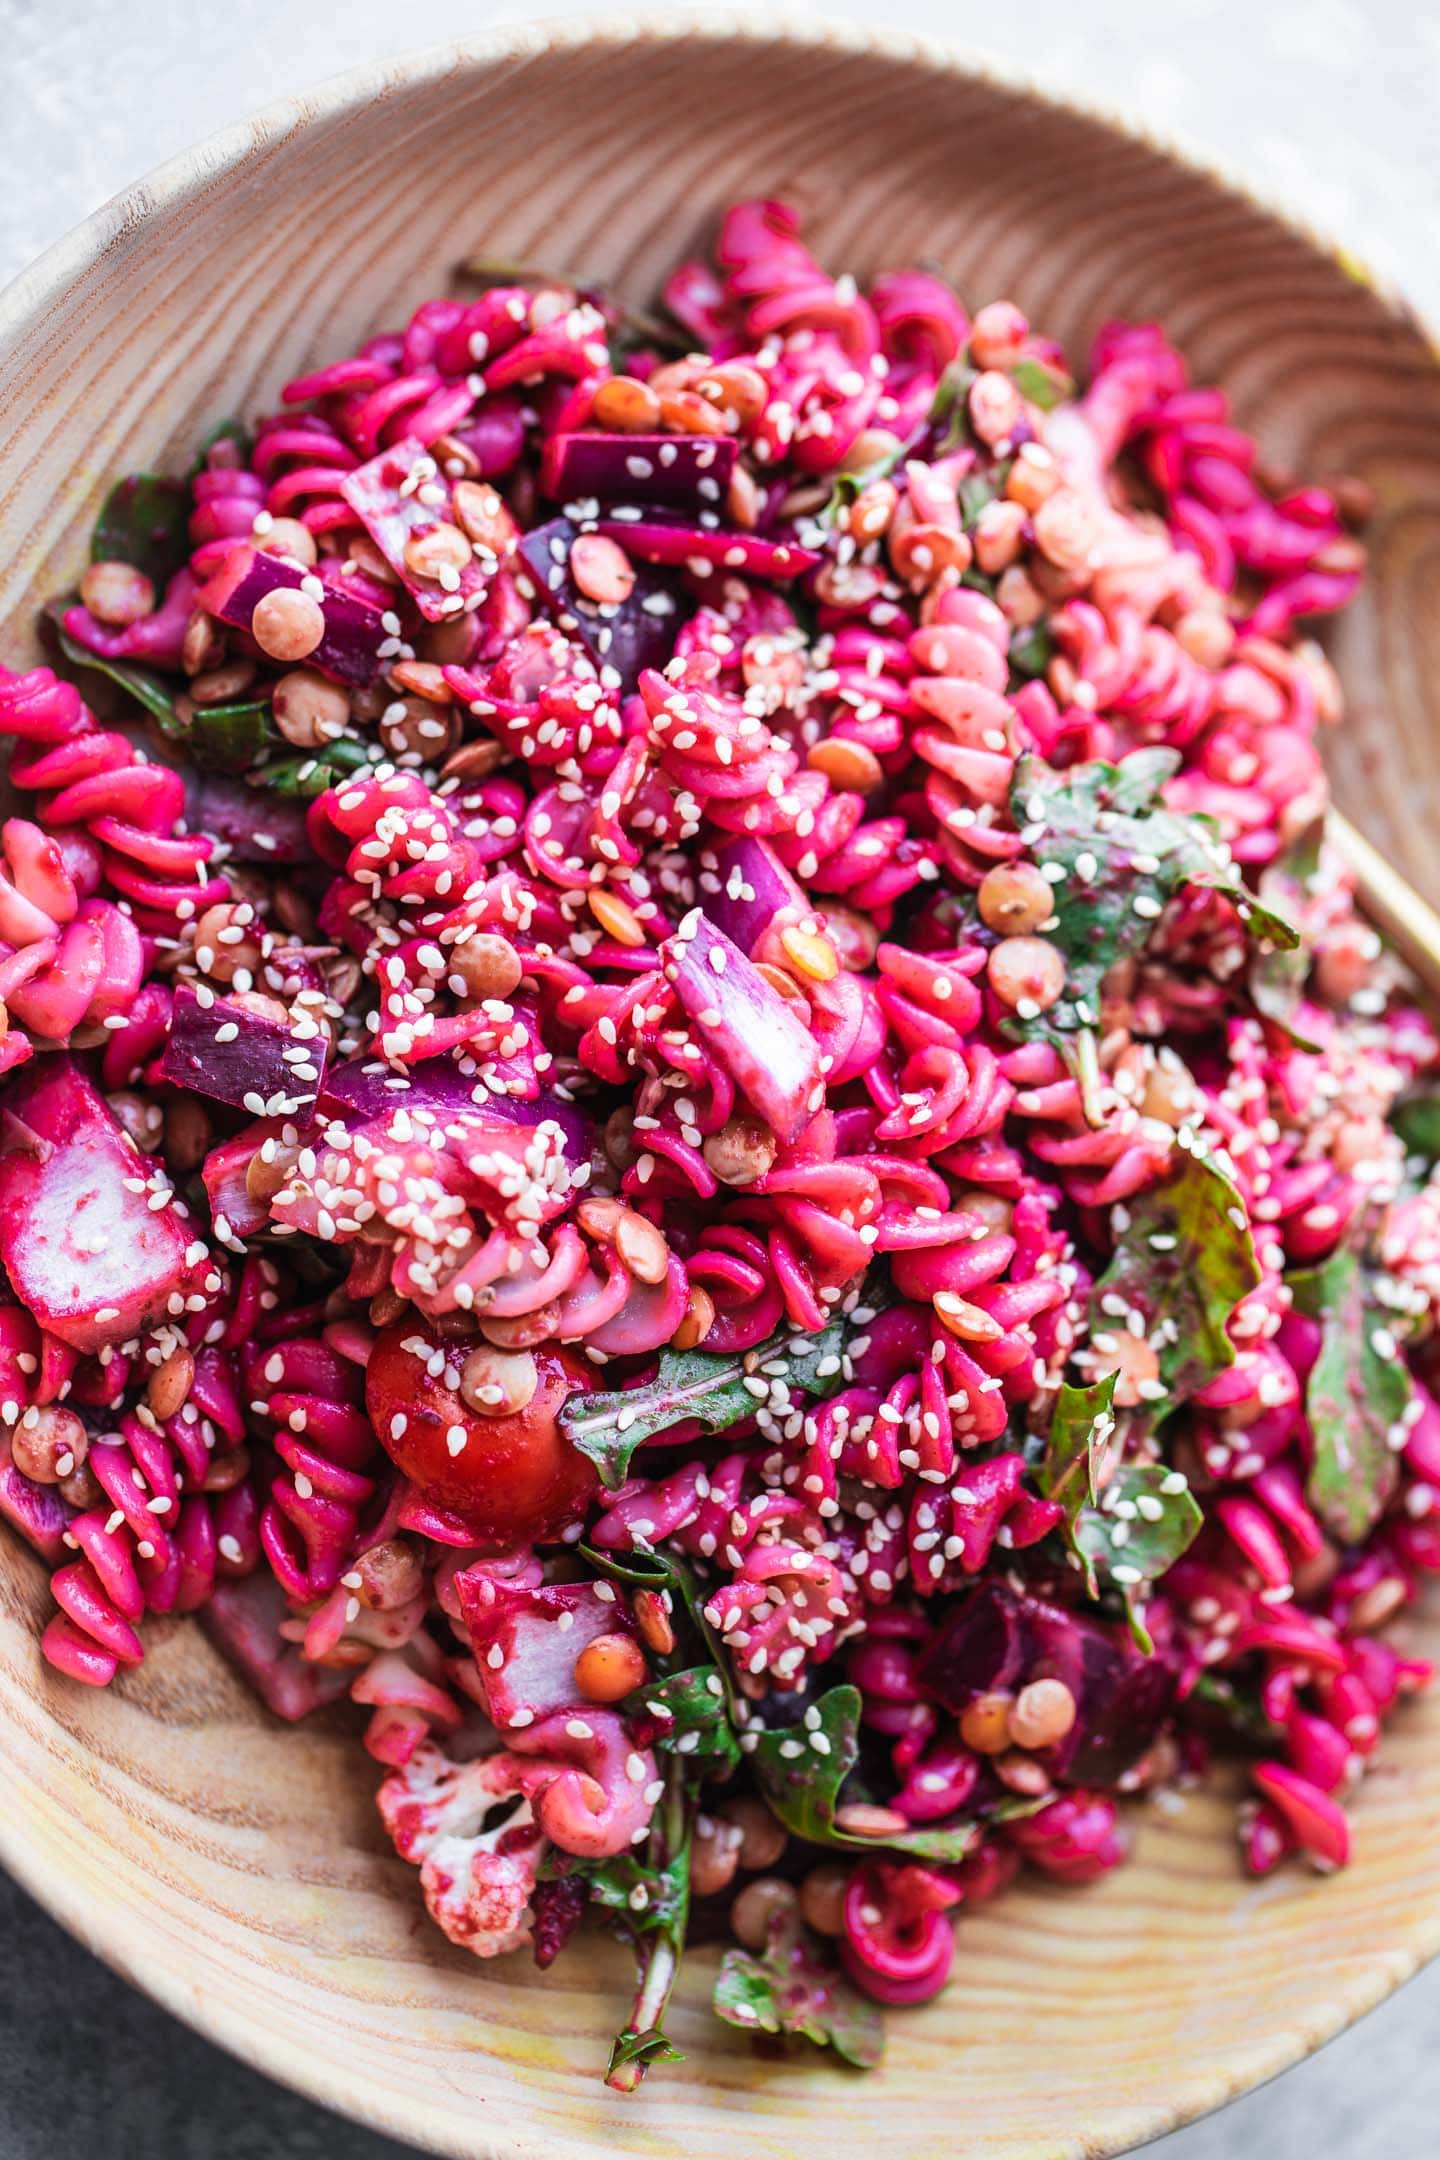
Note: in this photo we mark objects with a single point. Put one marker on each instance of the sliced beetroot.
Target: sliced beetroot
(36, 1511)
(747, 1027)
(243, 1620)
(84, 1249)
(392, 497)
(223, 1050)
(682, 472)
(747, 890)
(256, 825)
(356, 639)
(440, 1084)
(702, 549)
(998, 1637)
(627, 637)
(526, 1641)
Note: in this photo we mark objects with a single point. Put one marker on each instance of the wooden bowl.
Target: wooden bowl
(235, 1868)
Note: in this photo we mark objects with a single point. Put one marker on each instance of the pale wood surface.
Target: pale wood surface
(235, 1869)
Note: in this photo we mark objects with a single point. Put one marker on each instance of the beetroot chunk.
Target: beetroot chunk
(84, 1249)
(745, 1026)
(1003, 1638)
(628, 637)
(683, 472)
(388, 496)
(356, 639)
(233, 1055)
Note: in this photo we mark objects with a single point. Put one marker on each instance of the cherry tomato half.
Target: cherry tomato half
(512, 1480)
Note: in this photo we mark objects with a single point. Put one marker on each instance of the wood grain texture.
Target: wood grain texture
(236, 1869)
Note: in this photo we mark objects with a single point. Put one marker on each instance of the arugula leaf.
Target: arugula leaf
(303, 778)
(947, 412)
(223, 738)
(645, 1897)
(686, 1714)
(716, 1389)
(1417, 1120)
(147, 688)
(649, 1897)
(1278, 977)
(1042, 383)
(1146, 1518)
(795, 1986)
(1355, 1398)
(1031, 651)
(1240, 1707)
(633, 2053)
(1123, 857)
(231, 431)
(143, 520)
(1184, 1263)
(801, 1769)
(1141, 1522)
(1081, 1427)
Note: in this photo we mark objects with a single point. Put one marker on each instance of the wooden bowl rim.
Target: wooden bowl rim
(24, 299)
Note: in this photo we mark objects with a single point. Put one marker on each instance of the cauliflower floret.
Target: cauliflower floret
(476, 1882)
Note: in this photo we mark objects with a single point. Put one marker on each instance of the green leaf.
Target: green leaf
(801, 1769)
(303, 778)
(1081, 1427)
(947, 413)
(1417, 1120)
(1240, 1707)
(1355, 1398)
(795, 1986)
(1146, 1518)
(1042, 383)
(1183, 1263)
(717, 1390)
(1030, 651)
(147, 688)
(227, 738)
(143, 521)
(1278, 976)
(692, 1711)
(643, 1897)
(231, 431)
(1121, 857)
(640, 2049)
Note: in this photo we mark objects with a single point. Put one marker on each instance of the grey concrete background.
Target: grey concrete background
(1329, 106)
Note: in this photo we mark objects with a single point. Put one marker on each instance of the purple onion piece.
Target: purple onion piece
(369, 1089)
(628, 637)
(386, 497)
(754, 887)
(350, 650)
(653, 537)
(682, 472)
(236, 1056)
(745, 1026)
